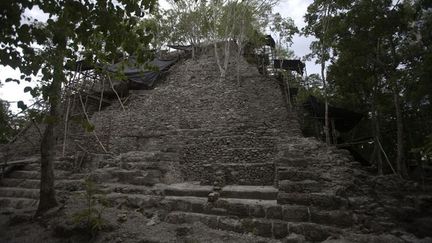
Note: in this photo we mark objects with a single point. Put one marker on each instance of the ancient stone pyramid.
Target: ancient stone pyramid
(195, 135)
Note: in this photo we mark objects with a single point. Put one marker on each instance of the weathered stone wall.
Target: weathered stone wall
(205, 119)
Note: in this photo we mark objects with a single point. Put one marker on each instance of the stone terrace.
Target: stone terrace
(211, 124)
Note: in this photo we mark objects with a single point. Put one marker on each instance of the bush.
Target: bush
(90, 219)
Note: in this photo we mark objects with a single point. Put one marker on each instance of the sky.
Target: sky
(287, 8)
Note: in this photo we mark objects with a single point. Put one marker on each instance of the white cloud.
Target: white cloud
(295, 9)
(12, 91)
(35, 14)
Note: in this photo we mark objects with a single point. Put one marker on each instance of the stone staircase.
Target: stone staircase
(251, 209)
(20, 188)
(299, 205)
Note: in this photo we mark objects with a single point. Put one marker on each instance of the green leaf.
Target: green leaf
(21, 105)
(88, 127)
(12, 80)
(28, 89)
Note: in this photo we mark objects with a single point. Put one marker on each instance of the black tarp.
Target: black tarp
(270, 41)
(344, 119)
(290, 65)
(141, 76)
(180, 47)
(79, 66)
(137, 76)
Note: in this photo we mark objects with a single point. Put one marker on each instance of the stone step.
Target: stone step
(23, 174)
(269, 209)
(19, 192)
(188, 189)
(138, 177)
(70, 185)
(294, 162)
(17, 203)
(320, 200)
(58, 165)
(131, 189)
(262, 227)
(23, 161)
(145, 165)
(300, 186)
(35, 175)
(231, 191)
(133, 200)
(144, 156)
(249, 192)
(294, 174)
(238, 173)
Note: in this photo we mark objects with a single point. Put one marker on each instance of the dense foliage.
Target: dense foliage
(93, 30)
(379, 56)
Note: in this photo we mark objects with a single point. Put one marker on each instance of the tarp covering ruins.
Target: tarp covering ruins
(181, 47)
(269, 41)
(290, 65)
(141, 76)
(344, 119)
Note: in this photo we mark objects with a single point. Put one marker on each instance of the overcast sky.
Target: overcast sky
(287, 8)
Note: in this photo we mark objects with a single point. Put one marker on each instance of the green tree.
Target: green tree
(190, 22)
(6, 130)
(369, 41)
(96, 30)
(233, 21)
(320, 18)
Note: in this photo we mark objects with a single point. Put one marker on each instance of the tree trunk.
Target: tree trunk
(288, 90)
(400, 158)
(326, 120)
(47, 193)
(238, 64)
(193, 52)
(226, 57)
(221, 70)
(376, 129)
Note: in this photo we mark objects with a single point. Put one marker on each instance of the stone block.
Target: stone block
(299, 186)
(256, 210)
(181, 205)
(230, 224)
(280, 230)
(274, 212)
(258, 227)
(336, 217)
(197, 207)
(295, 213)
(238, 209)
(297, 162)
(183, 230)
(312, 232)
(294, 238)
(175, 218)
(297, 175)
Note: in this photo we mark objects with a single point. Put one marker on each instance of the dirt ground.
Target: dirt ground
(120, 225)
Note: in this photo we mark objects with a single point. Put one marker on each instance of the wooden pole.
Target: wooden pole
(118, 97)
(88, 119)
(387, 159)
